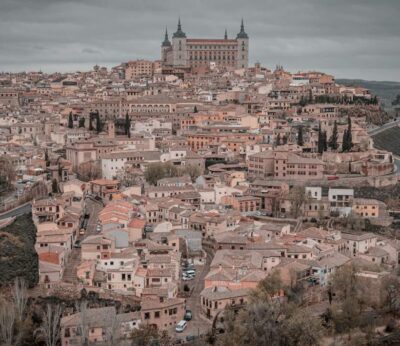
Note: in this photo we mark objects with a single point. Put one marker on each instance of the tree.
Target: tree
(89, 170)
(349, 134)
(99, 125)
(154, 172)
(91, 122)
(333, 140)
(70, 121)
(7, 172)
(19, 294)
(7, 322)
(320, 143)
(144, 335)
(127, 125)
(391, 295)
(268, 288)
(300, 140)
(347, 137)
(301, 329)
(278, 140)
(195, 109)
(83, 326)
(193, 171)
(297, 198)
(158, 170)
(50, 328)
(324, 141)
(54, 186)
(113, 330)
(82, 122)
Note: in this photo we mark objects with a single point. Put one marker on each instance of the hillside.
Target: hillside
(18, 257)
(386, 91)
(388, 140)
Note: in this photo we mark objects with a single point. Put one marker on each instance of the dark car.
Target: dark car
(191, 337)
(77, 244)
(188, 315)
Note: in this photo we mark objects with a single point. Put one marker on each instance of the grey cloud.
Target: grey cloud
(351, 38)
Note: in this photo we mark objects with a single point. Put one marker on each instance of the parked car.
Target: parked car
(82, 231)
(189, 272)
(188, 315)
(181, 326)
(186, 278)
(191, 338)
(77, 244)
(98, 228)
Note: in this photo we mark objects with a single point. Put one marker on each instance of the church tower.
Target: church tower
(165, 47)
(179, 51)
(242, 38)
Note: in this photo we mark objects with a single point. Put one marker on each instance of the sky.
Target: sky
(347, 38)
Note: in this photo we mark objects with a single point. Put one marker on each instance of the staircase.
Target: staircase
(70, 268)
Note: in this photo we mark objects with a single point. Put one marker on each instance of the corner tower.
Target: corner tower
(179, 50)
(242, 60)
(165, 47)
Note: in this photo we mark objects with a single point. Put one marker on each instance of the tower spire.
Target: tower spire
(166, 39)
(226, 34)
(242, 33)
(179, 33)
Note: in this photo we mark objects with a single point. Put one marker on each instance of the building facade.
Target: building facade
(185, 52)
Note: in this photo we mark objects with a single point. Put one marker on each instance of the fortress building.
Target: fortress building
(189, 53)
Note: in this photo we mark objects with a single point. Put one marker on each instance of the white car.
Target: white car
(186, 278)
(180, 327)
(98, 228)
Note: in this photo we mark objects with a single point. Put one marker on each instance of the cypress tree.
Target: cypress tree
(300, 140)
(82, 122)
(98, 123)
(345, 146)
(278, 139)
(195, 109)
(349, 134)
(127, 125)
(320, 140)
(324, 141)
(70, 121)
(333, 140)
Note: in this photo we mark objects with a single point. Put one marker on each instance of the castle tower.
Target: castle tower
(165, 47)
(243, 48)
(179, 50)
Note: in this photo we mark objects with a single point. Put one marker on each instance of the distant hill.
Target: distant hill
(18, 257)
(386, 91)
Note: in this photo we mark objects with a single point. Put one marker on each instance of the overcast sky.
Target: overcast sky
(348, 38)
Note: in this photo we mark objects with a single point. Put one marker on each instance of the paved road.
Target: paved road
(384, 127)
(24, 209)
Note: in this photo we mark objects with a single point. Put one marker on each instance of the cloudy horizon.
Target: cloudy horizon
(349, 39)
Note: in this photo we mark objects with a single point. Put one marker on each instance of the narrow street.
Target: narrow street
(199, 325)
(74, 260)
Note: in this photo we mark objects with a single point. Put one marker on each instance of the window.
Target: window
(157, 314)
(147, 315)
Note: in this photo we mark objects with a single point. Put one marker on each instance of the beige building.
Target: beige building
(139, 68)
(162, 313)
